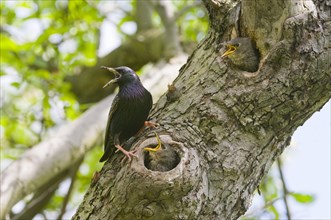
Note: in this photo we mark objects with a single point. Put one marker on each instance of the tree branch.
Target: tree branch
(73, 175)
(143, 15)
(41, 197)
(166, 11)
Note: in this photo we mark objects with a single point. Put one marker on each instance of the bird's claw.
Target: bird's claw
(151, 124)
(129, 155)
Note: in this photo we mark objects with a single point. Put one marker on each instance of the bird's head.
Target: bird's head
(236, 46)
(123, 75)
(242, 52)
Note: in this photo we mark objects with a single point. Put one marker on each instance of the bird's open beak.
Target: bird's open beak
(230, 50)
(116, 74)
(157, 148)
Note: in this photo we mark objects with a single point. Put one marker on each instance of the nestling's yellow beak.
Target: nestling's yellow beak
(157, 148)
(230, 50)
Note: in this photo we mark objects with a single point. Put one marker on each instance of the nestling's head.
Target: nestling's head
(162, 158)
(243, 54)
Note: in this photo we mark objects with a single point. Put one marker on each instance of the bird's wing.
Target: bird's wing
(112, 110)
(108, 137)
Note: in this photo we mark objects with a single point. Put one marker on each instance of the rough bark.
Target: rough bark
(228, 126)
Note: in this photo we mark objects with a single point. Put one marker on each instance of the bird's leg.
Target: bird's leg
(151, 124)
(117, 141)
(117, 144)
(147, 124)
(128, 154)
(157, 148)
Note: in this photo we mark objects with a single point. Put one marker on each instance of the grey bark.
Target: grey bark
(228, 126)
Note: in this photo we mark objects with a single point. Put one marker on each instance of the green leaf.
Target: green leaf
(8, 44)
(303, 198)
(273, 210)
(15, 84)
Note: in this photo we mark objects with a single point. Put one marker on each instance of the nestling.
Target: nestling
(243, 54)
(161, 158)
(128, 113)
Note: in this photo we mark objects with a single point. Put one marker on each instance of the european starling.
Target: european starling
(128, 113)
(161, 158)
(243, 54)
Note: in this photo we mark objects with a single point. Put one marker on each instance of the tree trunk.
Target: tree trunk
(227, 126)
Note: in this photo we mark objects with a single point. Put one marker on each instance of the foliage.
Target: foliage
(193, 24)
(38, 49)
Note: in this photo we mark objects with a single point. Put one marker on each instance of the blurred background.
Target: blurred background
(51, 52)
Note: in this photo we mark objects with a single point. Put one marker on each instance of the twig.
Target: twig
(73, 175)
(285, 192)
(256, 212)
(40, 198)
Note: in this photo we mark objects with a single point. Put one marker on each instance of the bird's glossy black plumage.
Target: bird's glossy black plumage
(129, 110)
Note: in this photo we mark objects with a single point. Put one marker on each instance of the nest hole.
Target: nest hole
(163, 160)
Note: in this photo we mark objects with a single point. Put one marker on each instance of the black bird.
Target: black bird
(243, 54)
(162, 157)
(128, 113)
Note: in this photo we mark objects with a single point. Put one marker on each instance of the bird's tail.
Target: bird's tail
(109, 150)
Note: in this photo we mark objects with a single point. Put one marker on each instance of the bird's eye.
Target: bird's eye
(236, 45)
